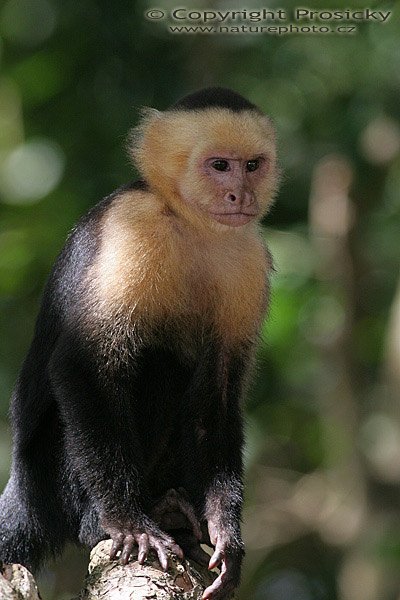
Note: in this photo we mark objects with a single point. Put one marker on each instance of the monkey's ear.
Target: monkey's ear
(136, 136)
(148, 114)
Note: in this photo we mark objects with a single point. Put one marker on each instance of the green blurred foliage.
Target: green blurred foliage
(73, 77)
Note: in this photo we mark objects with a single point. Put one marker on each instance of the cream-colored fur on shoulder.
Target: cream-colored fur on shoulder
(153, 266)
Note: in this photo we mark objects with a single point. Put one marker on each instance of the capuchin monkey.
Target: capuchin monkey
(126, 416)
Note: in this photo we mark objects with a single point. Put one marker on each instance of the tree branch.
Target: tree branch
(16, 583)
(106, 580)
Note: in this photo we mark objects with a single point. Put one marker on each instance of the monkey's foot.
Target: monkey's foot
(126, 536)
(191, 547)
(173, 511)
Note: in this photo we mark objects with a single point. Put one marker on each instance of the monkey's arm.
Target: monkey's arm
(223, 505)
(103, 449)
(216, 426)
(223, 508)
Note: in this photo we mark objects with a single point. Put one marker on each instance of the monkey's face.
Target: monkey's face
(216, 167)
(229, 185)
(230, 175)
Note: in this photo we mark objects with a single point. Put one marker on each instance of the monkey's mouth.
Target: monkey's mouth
(234, 219)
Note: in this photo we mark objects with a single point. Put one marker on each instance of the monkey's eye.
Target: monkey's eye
(220, 165)
(252, 165)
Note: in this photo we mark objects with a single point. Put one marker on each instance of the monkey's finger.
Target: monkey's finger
(219, 592)
(224, 569)
(127, 549)
(213, 589)
(170, 543)
(116, 545)
(176, 549)
(143, 548)
(221, 587)
(216, 558)
(162, 555)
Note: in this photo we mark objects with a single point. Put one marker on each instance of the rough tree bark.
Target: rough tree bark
(16, 583)
(106, 580)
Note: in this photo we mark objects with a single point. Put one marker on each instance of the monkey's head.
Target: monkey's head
(212, 156)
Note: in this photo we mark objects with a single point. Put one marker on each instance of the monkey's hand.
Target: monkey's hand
(228, 555)
(126, 535)
(174, 513)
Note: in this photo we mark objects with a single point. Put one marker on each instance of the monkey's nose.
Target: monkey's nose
(235, 197)
(239, 198)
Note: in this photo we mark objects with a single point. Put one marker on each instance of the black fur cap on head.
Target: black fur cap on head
(214, 97)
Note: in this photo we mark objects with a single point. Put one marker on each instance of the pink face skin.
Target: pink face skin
(234, 180)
